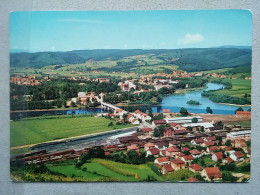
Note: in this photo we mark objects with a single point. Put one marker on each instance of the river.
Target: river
(172, 102)
(176, 101)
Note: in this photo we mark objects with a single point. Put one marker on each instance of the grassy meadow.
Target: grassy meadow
(31, 131)
(240, 87)
(101, 169)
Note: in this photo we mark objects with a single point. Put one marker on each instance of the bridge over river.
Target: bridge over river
(108, 106)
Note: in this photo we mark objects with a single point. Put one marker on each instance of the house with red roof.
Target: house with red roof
(173, 124)
(133, 147)
(174, 143)
(166, 110)
(195, 153)
(185, 148)
(148, 146)
(161, 145)
(212, 138)
(207, 143)
(130, 118)
(181, 132)
(229, 150)
(177, 164)
(195, 168)
(197, 141)
(147, 130)
(237, 156)
(172, 151)
(240, 143)
(228, 160)
(162, 160)
(135, 122)
(163, 152)
(212, 149)
(167, 168)
(140, 115)
(192, 179)
(211, 173)
(152, 151)
(158, 122)
(217, 156)
(179, 155)
(187, 158)
(168, 132)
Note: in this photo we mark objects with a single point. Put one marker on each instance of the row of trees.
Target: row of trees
(132, 157)
(225, 98)
(142, 98)
(33, 105)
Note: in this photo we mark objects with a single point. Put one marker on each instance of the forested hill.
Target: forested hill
(194, 59)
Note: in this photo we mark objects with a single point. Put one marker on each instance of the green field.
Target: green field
(242, 123)
(240, 87)
(206, 161)
(180, 175)
(105, 169)
(40, 130)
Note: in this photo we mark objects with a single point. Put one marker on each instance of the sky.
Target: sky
(36, 31)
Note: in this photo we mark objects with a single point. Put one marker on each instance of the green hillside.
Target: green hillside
(194, 59)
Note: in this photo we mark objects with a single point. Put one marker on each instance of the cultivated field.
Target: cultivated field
(101, 169)
(240, 87)
(26, 132)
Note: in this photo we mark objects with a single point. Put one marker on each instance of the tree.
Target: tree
(219, 138)
(227, 176)
(158, 117)
(73, 104)
(110, 124)
(248, 143)
(156, 132)
(219, 123)
(228, 143)
(189, 128)
(194, 120)
(209, 110)
(124, 117)
(183, 112)
(202, 128)
(239, 109)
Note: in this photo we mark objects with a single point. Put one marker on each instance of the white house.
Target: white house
(162, 161)
(237, 156)
(135, 122)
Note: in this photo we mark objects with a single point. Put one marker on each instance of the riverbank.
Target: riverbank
(242, 105)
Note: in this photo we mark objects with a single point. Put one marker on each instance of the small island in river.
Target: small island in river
(193, 102)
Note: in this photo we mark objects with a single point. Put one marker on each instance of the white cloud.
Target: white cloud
(80, 21)
(190, 38)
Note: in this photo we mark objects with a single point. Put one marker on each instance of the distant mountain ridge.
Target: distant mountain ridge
(194, 59)
(234, 46)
